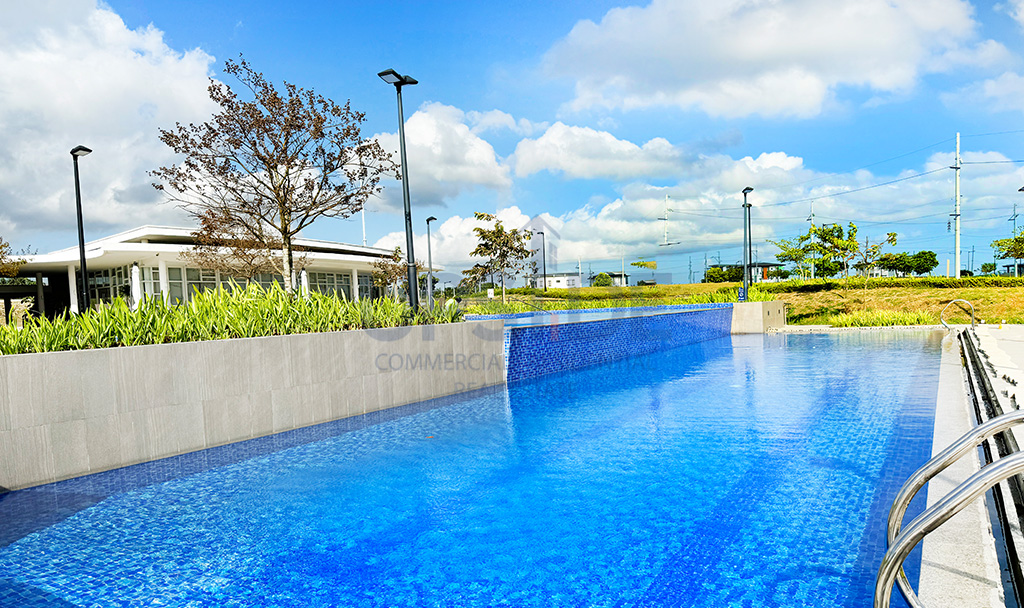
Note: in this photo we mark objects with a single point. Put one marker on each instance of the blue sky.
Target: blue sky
(582, 116)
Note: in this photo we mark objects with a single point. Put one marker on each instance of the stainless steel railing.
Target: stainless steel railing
(951, 302)
(935, 516)
(933, 467)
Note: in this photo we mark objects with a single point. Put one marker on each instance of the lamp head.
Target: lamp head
(431, 219)
(540, 232)
(1021, 189)
(748, 190)
(390, 76)
(80, 151)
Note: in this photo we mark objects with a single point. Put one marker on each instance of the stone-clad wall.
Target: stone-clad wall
(71, 413)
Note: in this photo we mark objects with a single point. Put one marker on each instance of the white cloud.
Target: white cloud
(445, 158)
(1013, 8)
(582, 152)
(493, 120)
(782, 58)
(1002, 94)
(453, 239)
(72, 73)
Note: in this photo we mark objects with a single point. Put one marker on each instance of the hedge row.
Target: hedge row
(798, 286)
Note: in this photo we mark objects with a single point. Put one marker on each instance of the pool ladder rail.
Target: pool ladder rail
(952, 302)
(902, 542)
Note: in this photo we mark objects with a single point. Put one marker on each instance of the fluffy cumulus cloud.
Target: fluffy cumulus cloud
(446, 158)
(1004, 93)
(705, 214)
(72, 73)
(496, 120)
(453, 239)
(582, 152)
(786, 58)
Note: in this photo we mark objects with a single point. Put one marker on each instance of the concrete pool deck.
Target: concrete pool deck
(959, 565)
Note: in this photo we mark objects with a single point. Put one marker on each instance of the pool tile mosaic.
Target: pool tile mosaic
(545, 349)
(747, 471)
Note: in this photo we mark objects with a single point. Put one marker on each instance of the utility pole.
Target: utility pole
(665, 242)
(810, 218)
(956, 201)
(1013, 218)
(691, 269)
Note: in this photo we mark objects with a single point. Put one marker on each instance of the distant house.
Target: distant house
(146, 261)
(557, 280)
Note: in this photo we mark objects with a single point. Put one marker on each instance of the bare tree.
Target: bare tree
(269, 167)
(9, 265)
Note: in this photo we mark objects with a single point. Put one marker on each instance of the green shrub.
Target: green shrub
(213, 315)
(799, 286)
(881, 318)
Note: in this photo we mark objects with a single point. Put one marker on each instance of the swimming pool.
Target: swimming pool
(744, 471)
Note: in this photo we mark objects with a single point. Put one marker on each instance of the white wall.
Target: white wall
(71, 413)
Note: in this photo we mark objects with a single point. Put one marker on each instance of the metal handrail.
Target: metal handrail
(951, 302)
(969, 441)
(935, 516)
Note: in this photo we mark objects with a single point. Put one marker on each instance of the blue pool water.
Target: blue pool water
(745, 471)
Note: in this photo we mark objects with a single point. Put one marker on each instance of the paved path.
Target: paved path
(959, 566)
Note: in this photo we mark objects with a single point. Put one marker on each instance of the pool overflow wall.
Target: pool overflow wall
(560, 344)
(71, 413)
(68, 414)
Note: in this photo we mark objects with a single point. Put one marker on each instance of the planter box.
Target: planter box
(72, 413)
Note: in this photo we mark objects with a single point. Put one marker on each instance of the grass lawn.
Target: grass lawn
(992, 304)
(807, 307)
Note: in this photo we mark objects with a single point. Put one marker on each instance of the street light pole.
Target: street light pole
(392, 77)
(543, 259)
(746, 241)
(430, 269)
(76, 152)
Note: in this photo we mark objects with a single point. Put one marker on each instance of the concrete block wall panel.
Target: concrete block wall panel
(758, 317)
(72, 413)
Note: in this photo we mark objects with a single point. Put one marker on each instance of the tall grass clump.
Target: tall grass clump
(881, 318)
(216, 314)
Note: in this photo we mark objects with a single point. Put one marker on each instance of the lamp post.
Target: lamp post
(1013, 218)
(430, 269)
(76, 152)
(392, 77)
(543, 259)
(746, 241)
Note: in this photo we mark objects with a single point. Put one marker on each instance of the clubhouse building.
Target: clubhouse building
(147, 262)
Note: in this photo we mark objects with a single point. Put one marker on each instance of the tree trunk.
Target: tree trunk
(286, 265)
(503, 286)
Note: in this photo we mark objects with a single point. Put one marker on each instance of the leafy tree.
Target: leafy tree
(505, 250)
(923, 262)
(779, 273)
(795, 251)
(603, 279)
(271, 166)
(1012, 248)
(9, 265)
(988, 267)
(896, 262)
(870, 253)
(716, 274)
(836, 245)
